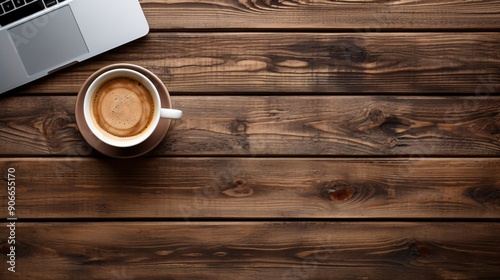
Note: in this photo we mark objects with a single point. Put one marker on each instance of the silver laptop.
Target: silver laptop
(38, 37)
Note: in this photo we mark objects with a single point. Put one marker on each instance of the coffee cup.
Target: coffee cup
(122, 108)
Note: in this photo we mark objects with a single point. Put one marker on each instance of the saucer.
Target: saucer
(129, 152)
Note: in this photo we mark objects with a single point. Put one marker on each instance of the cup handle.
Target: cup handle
(170, 113)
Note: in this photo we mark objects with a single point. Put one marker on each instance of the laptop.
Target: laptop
(39, 37)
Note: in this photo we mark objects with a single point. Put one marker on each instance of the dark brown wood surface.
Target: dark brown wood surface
(278, 125)
(255, 188)
(259, 250)
(309, 63)
(320, 140)
(363, 16)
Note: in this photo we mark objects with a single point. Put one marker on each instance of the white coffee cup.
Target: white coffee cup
(106, 101)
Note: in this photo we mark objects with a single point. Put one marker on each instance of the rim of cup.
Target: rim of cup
(121, 142)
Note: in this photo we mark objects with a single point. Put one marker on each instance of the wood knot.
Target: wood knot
(389, 124)
(55, 127)
(394, 125)
(350, 51)
(419, 250)
(352, 192)
(338, 191)
(486, 195)
(238, 127)
(238, 189)
(376, 116)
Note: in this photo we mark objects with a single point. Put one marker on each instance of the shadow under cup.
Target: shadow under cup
(130, 145)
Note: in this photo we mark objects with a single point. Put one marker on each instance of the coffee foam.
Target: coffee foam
(123, 107)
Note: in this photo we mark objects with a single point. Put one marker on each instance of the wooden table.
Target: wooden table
(321, 140)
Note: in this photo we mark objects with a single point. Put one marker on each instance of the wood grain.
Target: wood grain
(243, 188)
(321, 140)
(254, 250)
(363, 16)
(277, 125)
(309, 63)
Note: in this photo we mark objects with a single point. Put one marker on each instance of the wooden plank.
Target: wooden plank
(254, 250)
(322, 14)
(277, 125)
(304, 63)
(186, 188)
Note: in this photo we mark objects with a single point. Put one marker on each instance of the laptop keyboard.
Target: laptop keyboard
(13, 10)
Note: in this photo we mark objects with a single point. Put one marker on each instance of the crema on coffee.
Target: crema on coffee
(123, 107)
